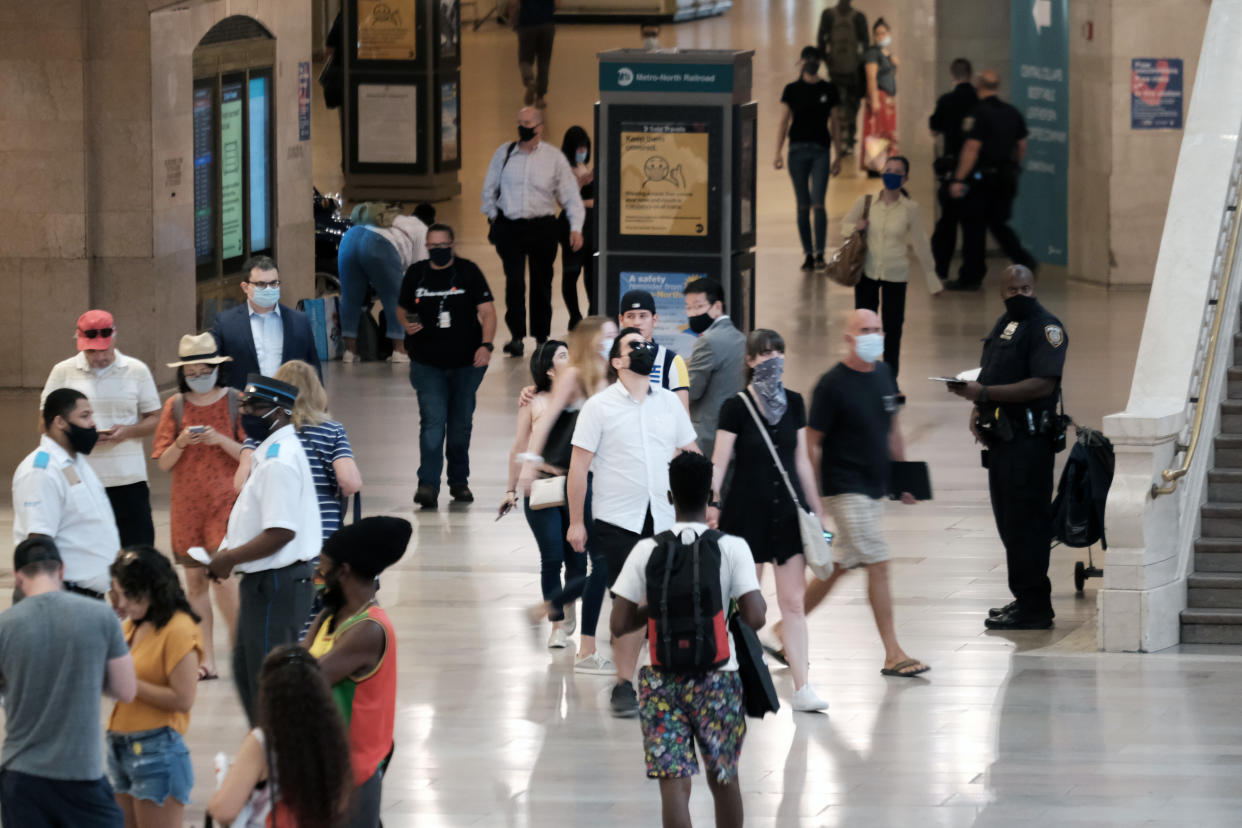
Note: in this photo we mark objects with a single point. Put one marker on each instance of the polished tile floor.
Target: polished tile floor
(1030, 729)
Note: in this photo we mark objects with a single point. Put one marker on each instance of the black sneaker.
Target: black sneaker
(425, 496)
(624, 700)
(514, 348)
(1005, 610)
(808, 264)
(462, 494)
(820, 262)
(1019, 621)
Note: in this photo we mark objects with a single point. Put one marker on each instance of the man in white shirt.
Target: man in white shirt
(57, 495)
(679, 709)
(525, 181)
(274, 535)
(126, 407)
(625, 436)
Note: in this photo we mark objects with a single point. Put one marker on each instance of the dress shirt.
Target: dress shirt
(268, 331)
(61, 497)
(531, 185)
(633, 442)
(891, 230)
(121, 394)
(279, 494)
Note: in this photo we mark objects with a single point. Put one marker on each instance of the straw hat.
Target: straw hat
(200, 349)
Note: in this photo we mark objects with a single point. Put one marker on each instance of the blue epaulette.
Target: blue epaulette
(41, 460)
(273, 451)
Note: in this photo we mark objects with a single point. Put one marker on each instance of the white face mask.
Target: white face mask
(203, 384)
(605, 347)
(885, 41)
(869, 347)
(651, 43)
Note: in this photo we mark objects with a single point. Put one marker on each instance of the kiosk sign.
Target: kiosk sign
(665, 77)
(664, 181)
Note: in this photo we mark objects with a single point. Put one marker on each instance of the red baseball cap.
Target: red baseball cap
(91, 327)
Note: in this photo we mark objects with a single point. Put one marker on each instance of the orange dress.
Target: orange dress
(202, 480)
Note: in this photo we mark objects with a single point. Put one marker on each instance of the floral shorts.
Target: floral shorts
(675, 711)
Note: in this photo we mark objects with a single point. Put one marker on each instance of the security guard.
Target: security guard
(274, 534)
(947, 121)
(1015, 416)
(57, 495)
(987, 181)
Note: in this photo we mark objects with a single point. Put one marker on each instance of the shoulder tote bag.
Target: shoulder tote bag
(846, 265)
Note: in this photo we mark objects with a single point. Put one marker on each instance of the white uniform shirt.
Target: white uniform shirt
(268, 332)
(531, 185)
(737, 572)
(279, 494)
(120, 395)
(633, 442)
(61, 497)
(409, 235)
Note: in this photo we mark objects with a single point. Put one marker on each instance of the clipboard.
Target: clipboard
(909, 476)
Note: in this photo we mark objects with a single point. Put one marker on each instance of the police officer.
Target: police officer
(952, 108)
(1015, 416)
(987, 181)
(57, 495)
(274, 534)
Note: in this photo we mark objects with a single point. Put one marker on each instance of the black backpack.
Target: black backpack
(686, 622)
(1078, 509)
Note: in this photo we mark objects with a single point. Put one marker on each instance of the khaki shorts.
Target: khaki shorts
(858, 540)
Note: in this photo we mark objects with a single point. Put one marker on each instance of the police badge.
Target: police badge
(1054, 335)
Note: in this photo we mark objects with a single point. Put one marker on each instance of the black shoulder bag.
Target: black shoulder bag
(493, 228)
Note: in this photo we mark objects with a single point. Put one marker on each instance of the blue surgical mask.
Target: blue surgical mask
(266, 297)
(581, 156)
(869, 347)
(892, 181)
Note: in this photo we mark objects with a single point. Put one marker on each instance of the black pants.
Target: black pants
(615, 543)
(944, 237)
(28, 801)
(987, 208)
(851, 93)
(889, 300)
(573, 265)
(535, 55)
(1020, 481)
(131, 505)
(516, 242)
(274, 604)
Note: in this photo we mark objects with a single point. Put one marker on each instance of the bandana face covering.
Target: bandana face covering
(767, 381)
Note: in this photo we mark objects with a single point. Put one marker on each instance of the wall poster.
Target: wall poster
(664, 180)
(386, 30)
(672, 329)
(387, 123)
(450, 112)
(1156, 93)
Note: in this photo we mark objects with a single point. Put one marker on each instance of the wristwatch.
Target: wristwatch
(715, 504)
(489, 346)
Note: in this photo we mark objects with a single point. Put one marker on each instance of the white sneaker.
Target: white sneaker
(570, 622)
(805, 700)
(349, 358)
(398, 358)
(557, 640)
(595, 665)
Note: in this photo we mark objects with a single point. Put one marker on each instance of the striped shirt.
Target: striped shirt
(669, 371)
(324, 445)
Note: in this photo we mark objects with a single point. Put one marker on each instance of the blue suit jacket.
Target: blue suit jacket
(233, 336)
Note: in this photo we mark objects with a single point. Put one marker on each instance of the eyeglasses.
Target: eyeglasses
(101, 333)
(271, 284)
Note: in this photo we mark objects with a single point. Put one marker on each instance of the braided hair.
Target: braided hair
(144, 572)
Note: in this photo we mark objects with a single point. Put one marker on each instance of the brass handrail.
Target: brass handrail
(1171, 477)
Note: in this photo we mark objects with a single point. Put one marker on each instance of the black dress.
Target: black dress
(757, 506)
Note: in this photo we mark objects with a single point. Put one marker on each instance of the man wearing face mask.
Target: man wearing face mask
(57, 495)
(274, 534)
(1015, 417)
(261, 334)
(718, 361)
(525, 181)
(126, 406)
(625, 437)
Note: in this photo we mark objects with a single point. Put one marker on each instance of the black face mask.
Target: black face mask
(525, 133)
(440, 256)
(81, 439)
(700, 323)
(257, 427)
(642, 358)
(1020, 307)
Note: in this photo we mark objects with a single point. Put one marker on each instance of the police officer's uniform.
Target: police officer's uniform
(948, 119)
(1021, 440)
(276, 591)
(992, 186)
(60, 496)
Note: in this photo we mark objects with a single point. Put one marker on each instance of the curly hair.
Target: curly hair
(306, 737)
(143, 572)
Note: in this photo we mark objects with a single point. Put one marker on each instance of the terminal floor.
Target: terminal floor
(1022, 729)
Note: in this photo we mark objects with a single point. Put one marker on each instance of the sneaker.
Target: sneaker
(557, 640)
(820, 262)
(349, 358)
(808, 264)
(398, 358)
(595, 665)
(570, 621)
(807, 701)
(624, 700)
(425, 496)
(462, 494)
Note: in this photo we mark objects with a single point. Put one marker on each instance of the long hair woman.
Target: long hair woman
(577, 148)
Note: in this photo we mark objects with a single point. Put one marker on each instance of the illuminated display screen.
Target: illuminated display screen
(232, 241)
(260, 222)
(204, 143)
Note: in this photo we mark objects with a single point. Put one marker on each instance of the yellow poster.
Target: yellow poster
(386, 30)
(664, 183)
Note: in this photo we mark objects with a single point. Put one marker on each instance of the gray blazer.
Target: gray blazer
(716, 373)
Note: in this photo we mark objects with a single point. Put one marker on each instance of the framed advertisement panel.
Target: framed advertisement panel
(387, 34)
(389, 124)
(745, 142)
(665, 176)
(665, 278)
(448, 117)
(448, 32)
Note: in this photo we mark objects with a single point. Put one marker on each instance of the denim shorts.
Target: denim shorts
(150, 764)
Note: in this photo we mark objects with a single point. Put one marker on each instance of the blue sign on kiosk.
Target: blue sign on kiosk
(665, 77)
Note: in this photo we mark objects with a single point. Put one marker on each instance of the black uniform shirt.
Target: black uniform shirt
(999, 126)
(1019, 350)
(951, 111)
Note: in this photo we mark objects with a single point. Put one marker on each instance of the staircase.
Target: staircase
(1214, 594)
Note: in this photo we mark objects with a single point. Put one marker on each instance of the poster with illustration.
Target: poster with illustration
(664, 181)
(450, 28)
(672, 328)
(386, 30)
(450, 112)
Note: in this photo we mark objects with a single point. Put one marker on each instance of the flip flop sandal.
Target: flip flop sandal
(900, 670)
(204, 675)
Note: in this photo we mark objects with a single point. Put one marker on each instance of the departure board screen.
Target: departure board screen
(204, 194)
(260, 195)
(232, 188)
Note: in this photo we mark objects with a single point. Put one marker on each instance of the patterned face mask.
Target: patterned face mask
(767, 380)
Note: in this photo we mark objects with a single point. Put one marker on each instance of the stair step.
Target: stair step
(1231, 416)
(1214, 590)
(1221, 520)
(1212, 626)
(1232, 617)
(1215, 580)
(1228, 450)
(1235, 382)
(1225, 485)
(1218, 555)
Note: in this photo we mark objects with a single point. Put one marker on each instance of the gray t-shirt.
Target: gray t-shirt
(54, 650)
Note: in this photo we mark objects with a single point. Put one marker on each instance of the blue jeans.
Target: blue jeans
(809, 166)
(40, 802)
(151, 764)
(365, 257)
(549, 527)
(445, 420)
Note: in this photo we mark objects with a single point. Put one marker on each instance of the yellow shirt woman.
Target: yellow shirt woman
(892, 231)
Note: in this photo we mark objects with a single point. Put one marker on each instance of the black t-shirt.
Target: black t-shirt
(765, 490)
(458, 290)
(536, 12)
(951, 111)
(999, 126)
(854, 411)
(1018, 350)
(811, 105)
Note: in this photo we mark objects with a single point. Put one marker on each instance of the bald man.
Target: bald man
(1015, 416)
(986, 181)
(525, 182)
(852, 436)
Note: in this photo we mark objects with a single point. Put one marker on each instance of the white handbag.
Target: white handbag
(547, 493)
(815, 546)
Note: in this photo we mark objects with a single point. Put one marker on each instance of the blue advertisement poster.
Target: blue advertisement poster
(1156, 93)
(1039, 34)
(672, 327)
